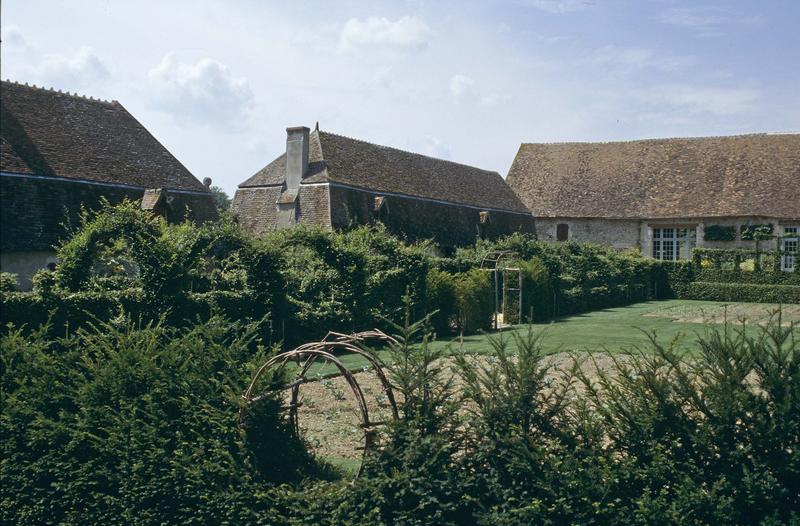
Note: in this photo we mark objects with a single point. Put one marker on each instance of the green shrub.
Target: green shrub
(119, 424)
(393, 269)
(325, 283)
(440, 298)
(538, 290)
(474, 300)
(8, 282)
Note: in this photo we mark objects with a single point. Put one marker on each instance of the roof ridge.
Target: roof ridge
(650, 139)
(407, 151)
(59, 92)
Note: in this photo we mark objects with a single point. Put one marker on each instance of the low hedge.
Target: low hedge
(749, 292)
(755, 278)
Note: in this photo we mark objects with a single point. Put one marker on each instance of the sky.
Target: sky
(218, 82)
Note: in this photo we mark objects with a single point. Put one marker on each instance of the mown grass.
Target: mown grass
(616, 330)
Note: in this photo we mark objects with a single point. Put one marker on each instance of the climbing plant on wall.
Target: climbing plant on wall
(756, 232)
(720, 233)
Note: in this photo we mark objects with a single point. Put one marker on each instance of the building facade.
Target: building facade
(336, 182)
(60, 153)
(664, 196)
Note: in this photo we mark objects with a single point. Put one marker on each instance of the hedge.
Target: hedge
(754, 278)
(748, 292)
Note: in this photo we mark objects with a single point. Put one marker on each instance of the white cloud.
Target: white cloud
(559, 6)
(405, 35)
(205, 91)
(701, 99)
(76, 71)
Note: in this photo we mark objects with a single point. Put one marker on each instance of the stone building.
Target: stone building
(663, 196)
(336, 182)
(60, 152)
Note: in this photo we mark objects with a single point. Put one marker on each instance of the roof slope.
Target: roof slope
(745, 175)
(45, 132)
(338, 159)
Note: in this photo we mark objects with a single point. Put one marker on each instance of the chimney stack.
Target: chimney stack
(296, 156)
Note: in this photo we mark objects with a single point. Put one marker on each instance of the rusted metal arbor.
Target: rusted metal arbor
(496, 262)
(325, 350)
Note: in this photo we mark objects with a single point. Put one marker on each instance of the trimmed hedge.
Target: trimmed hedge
(754, 278)
(748, 292)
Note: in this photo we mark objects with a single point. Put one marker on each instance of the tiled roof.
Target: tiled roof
(45, 132)
(337, 159)
(746, 175)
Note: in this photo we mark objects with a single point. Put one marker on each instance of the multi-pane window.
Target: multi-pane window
(672, 244)
(789, 248)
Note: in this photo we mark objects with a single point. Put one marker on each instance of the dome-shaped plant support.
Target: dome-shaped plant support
(326, 350)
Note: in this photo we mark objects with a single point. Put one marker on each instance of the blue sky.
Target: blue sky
(218, 82)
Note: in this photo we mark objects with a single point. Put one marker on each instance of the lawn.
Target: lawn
(619, 329)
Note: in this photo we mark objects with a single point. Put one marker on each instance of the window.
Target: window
(789, 243)
(562, 232)
(672, 244)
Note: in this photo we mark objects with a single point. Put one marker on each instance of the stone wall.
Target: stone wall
(636, 233)
(415, 219)
(618, 233)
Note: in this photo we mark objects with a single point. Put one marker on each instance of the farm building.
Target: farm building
(664, 196)
(61, 152)
(336, 182)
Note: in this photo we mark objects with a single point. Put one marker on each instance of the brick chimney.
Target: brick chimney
(296, 156)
